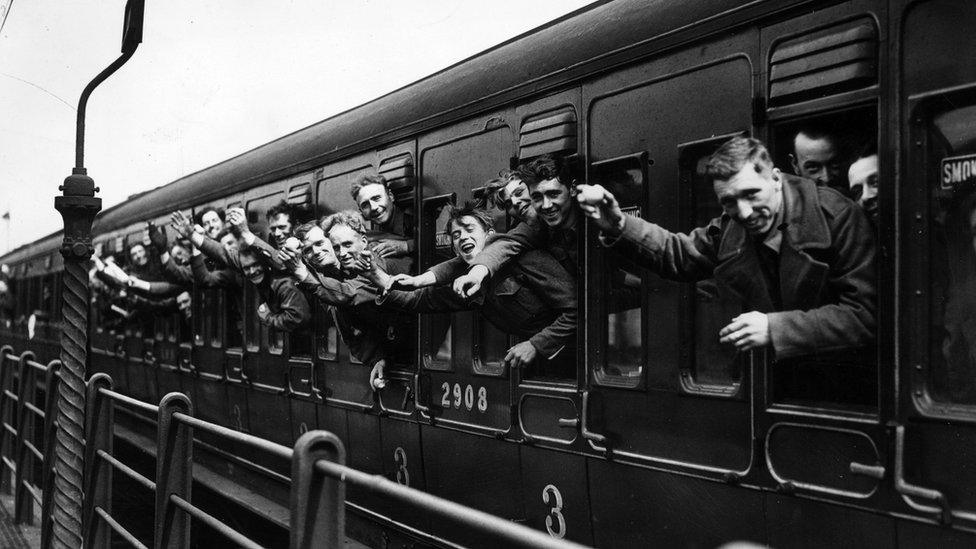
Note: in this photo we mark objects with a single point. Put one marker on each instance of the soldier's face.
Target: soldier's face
(752, 198)
(318, 251)
(375, 203)
(863, 178)
(184, 303)
(212, 223)
(516, 200)
(253, 269)
(348, 246)
(137, 254)
(279, 228)
(180, 254)
(468, 237)
(552, 202)
(229, 242)
(817, 159)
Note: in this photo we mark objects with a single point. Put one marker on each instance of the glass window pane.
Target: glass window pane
(952, 243)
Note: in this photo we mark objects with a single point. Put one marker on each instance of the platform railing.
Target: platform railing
(318, 471)
(27, 429)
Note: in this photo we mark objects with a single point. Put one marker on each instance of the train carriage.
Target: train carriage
(660, 436)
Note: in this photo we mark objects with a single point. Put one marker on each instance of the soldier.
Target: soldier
(282, 306)
(800, 258)
(391, 227)
(532, 297)
(863, 178)
(817, 156)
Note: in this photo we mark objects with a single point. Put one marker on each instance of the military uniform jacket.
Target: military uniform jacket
(533, 298)
(826, 268)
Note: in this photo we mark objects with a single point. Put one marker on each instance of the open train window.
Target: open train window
(947, 175)
(437, 330)
(622, 283)
(709, 367)
(833, 141)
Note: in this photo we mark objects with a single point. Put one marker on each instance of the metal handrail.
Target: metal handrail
(215, 524)
(119, 529)
(274, 448)
(507, 533)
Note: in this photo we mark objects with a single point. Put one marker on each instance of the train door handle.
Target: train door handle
(416, 391)
(595, 438)
(569, 422)
(872, 471)
(908, 490)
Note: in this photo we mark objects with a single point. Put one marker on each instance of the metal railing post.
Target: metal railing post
(99, 420)
(25, 459)
(50, 434)
(317, 501)
(174, 472)
(6, 418)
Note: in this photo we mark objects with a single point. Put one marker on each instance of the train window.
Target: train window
(199, 308)
(438, 329)
(333, 191)
(326, 335)
(276, 341)
(215, 317)
(252, 333)
(233, 325)
(848, 377)
(950, 175)
(709, 367)
(622, 283)
(256, 209)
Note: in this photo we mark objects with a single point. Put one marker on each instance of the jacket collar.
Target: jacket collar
(804, 225)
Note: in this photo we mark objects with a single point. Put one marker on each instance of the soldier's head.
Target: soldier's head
(468, 228)
(185, 304)
(252, 264)
(747, 185)
(863, 179)
(817, 156)
(347, 232)
(180, 251)
(373, 197)
(228, 240)
(550, 181)
(212, 221)
(316, 247)
(137, 255)
(509, 193)
(282, 218)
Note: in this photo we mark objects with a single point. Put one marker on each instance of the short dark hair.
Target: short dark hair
(495, 186)
(349, 218)
(816, 131)
(548, 166)
(198, 218)
(302, 230)
(870, 148)
(297, 213)
(367, 179)
(733, 155)
(469, 210)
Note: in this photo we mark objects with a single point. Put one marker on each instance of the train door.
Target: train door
(462, 384)
(937, 432)
(164, 354)
(265, 367)
(661, 392)
(820, 419)
(209, 358)
(548, 398)
(138, 331)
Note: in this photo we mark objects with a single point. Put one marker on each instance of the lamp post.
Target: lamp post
(78, 206)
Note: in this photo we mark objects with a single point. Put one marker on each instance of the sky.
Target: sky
(210, 81)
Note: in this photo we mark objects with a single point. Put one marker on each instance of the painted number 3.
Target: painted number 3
(555, 522)
(400, 458)
(466, 394)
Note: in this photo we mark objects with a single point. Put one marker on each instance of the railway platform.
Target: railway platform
(12, 535)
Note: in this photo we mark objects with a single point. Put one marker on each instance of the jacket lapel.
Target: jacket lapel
(802, 277)
(738, 272)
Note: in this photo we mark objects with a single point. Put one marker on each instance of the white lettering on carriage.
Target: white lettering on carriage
(958, 170)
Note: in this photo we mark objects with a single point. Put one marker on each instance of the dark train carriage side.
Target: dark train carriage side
(660, 436)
